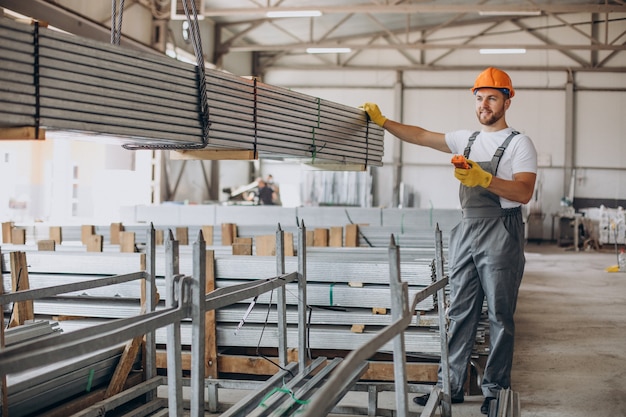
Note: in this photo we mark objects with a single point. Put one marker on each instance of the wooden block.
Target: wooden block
(207, 233)
(85, 232)
(229, 233)
(241, 249)
(310, 237)
(357, 328)
(94, 243)
(7, 227)
(266, 245)
(22, 310)
(159, 237)
(127, 242)
(46, 245)
(352, 236)
(336, 237)
(379, 310)
(22, 133)
(115, 230)
(182, 235)
(214, 154)
(56, 234)
(68, 318)
(320, 237)
(242, 246)
(289, 248)
(355, 284)
(18, 236)
(415, 372)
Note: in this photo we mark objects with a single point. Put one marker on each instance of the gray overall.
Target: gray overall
(486, 259)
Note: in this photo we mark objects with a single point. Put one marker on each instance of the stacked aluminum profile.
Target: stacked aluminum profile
(59, 82)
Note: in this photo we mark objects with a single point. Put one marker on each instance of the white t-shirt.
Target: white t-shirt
(520, 155)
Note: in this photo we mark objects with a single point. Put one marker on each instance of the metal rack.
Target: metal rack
(182, 292)
(186, 299)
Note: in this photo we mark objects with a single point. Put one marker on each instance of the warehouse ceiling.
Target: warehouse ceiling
(576, 35)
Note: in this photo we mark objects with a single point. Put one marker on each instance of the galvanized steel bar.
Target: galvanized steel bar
(110, 404)
(302, 393)
(446, 403)
(39, 293)
(198, 317)
(303, 306)
(145, 99)
(225, 296)
(281, 302)
(244, 406)
(151, 301)
(399, 309)
(173, 351)
(355, 358)
(69, 345)
(273, 401)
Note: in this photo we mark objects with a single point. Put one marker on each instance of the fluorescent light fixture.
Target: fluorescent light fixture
(510, 12)
(294, 13)
(328, 50)
(492, 51)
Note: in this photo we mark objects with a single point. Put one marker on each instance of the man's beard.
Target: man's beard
(490, 118)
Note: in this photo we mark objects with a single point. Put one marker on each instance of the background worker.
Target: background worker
(263, 195)
(269, 180)
(486, 249)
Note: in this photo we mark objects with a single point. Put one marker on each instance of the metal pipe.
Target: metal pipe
(198, 317)
(151, 303)
(446, 403)
(281, 302)
(303, 323)
(399, 299)
(173, 351)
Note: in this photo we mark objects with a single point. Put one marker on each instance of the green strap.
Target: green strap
(90, 380)
(285, 391)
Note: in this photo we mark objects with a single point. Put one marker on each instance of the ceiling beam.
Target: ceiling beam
(465, 7)
(426, 46)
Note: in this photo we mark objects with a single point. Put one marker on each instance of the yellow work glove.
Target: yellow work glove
(473, 176)
(374, 113)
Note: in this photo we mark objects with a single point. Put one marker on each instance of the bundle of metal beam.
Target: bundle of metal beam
(405, 236)
(335, 304)
(329, 284)
(333, 337)
(30, 393)
(145, 99)
(31, 329)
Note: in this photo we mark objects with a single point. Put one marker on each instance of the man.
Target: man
(486, 250)
(266, 193)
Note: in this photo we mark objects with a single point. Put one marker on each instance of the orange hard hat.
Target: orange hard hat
(494, 78)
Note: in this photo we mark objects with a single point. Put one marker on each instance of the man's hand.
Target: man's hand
(374, 113)
(473, 176)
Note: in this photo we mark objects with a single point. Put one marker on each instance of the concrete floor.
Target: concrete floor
(570, 354)
(570, 357)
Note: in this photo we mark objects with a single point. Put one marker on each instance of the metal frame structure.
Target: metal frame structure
(186, 299)
(326, 398)
(310, 386)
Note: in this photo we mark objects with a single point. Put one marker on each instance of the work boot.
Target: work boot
(486, 404)
(423, 399)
